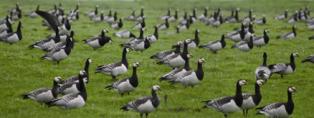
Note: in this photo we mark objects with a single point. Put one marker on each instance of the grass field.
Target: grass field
(22, 70)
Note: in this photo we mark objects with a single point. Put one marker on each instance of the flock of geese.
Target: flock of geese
(71, 92)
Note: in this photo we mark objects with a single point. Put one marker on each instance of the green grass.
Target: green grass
(22, 70)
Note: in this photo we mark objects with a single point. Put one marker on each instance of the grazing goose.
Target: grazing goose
(279, 109)
(125, 34)
(261, 41)
(98, 41)
(263, 72)
(191, 77)
(252, 100)
(73, 100)
(176, 60)
(214, 46)
(244, 46)
(164, 25)
(177, 72)
(289, 35)
(47, 44)
(60, 53)
(168, 53)
(126, 85)
(309, 59)
(228, 104)
(154, 37)
(33, 14)
(261, 21)
(13, 37)
(144, 105)
(284, 68)
(74, 79)
(115, 69)
(282, 16)
(43, 95)
(117, 25)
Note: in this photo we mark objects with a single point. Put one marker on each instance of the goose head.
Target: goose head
(242, 82)
(260, 82)
(291, 89)
(156, 88)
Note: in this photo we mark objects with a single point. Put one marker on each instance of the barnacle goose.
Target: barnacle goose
(252, 100)
(117, 25)
(131, 17)
(191, 77)
(144, 105)
(261, 21)
(138, 45)
(14, 37)
(60, 53)
(176, 60)
(72, 100)
(5, 24)
(193, 43)
(284, 68)
(263, 72)
(261, 41)
(214, 46)
(234, 17)
(279, 109)
(282, 16)
(125, 34)
(154, 37)
(115, 69)
(126, 85)
(177, 72)
(98, 41)
(309, 59)
(47, 44)
(93, 13)
(164, 54)
(43, 95)
(33, 14)
(289, 35)
(168, 14)
(164, 25)
(74, 79)
(228, 104)
(244, 46)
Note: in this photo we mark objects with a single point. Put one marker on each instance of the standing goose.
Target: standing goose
(237, 35)
(279, 109)
(164, 54)
(73, 100)
(228, 104)
(176, 60)
(284, 68)
(177, 72)
(47, 44)
(126, 85)
(144, 105)
(290, 35)
(244, 46)
(43, 95)
(154, 37)
(252, 100)
(60, 53)
(191, 77)
(14, 37)
(309, 59)
(263, 72)
(214, 46)
(115, 69)
(164, 25)
(74, 79)
(203, 17)
(112, 19)
(261, 41)
(99, 41)
(125, 34)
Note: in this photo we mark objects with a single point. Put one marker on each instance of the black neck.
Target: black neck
(238, 96)
(199, 72)
(187, 63)
(250, 43)
(68, 46)
(266, 37)
(205, 12)
(294, 31)
(86, 68)
(177, 50)
(120, 24)
(264, 59)
(18, 31)
(156, 32)
(141, 36)
(155, 99)
(290, 104)
(237, 15)
(176, 14)
(124, 60)
(54, 89)
(82, 88)
(133, 79)
(257, 97)
(292, 62)
(222, 41)
(185, 48)
(146, 43)
(196, 38)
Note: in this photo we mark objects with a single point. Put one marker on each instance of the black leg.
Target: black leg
(146, 114)
(247, 112)
(225, 115)
(243, 111)
(141, 114)
(281, 75)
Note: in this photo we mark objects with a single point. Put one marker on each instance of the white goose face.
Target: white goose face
(260, 82)
(90, 60)
(201, 60)
(295, 54)
(82, 72)
(127, 49)
(156, 87)
(292, 89)
(57, 79)
(105, 30)
(242, 82)
(136, 64)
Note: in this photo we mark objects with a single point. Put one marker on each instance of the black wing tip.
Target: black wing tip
(25, 96)
(124, 108)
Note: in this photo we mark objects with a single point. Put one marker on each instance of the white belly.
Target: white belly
(59, 55)
(119, 70)
(229, 107)
(94, 43)
(76, 103)
(248, 103)
(12, 39)
(146, 107)
(125, 87)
